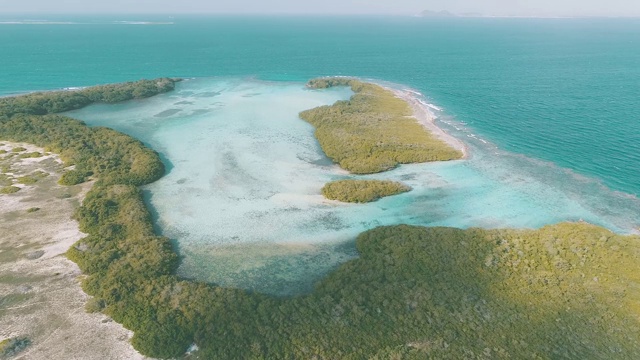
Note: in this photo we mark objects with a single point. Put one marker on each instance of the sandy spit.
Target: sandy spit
(426, 118)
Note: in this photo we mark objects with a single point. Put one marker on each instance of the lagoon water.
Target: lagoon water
(546, 106)
(242, 194)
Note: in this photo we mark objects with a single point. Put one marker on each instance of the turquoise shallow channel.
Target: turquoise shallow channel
(242, 193)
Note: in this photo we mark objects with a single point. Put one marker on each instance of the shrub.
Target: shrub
(27, 180)
(34, 154)
(9, 190)
(94, 305)
(362, 191)
(373, 131)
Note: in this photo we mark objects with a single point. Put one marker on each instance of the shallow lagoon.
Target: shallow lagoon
(242, 193)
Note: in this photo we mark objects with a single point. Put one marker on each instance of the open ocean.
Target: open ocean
(561, 90)
(548, 108)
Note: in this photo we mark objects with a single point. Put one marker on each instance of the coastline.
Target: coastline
(426, 118)
(339, 285)
(43, 299)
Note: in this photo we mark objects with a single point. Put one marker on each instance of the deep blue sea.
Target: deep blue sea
(548, 108)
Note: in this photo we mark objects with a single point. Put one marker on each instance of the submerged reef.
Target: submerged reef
(563, 291)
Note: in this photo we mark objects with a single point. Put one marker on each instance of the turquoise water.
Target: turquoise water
(546, 107)
(561, 90)
(242, 194)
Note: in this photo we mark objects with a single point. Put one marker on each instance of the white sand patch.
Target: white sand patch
(42, 298)
(67, 235)
(303, 202)
(426, 118)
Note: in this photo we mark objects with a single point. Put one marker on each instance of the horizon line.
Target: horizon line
(321, 14)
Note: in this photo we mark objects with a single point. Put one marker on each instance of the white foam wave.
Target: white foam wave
(52, 22)
(127, 22)
(429, 105)
(37, 22)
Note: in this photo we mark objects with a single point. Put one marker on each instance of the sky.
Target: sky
(391, 7)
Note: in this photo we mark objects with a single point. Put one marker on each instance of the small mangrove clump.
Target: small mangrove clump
(9, 190)
(34, 154)
(27, 180)
(362, 191)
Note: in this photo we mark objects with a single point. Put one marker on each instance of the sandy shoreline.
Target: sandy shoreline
(426, 118)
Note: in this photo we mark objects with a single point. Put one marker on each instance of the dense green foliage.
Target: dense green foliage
(34, 154)
(51, 102)
(373, 131)
(104, 153)
(414, 293)
(565, 291)
(362, 191)
(446, 293)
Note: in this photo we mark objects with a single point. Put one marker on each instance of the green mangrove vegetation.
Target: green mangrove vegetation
(373, 131)
(564, 291)
(9, 190)
(94, 151)
(50, 102)
(362, 191)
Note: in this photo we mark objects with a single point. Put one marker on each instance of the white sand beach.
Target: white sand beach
(427, 119)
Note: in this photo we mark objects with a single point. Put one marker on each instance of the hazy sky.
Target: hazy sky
(396, 7)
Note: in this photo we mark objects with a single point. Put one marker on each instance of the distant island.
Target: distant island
(563, 291)
(437, 14)
(443, 14)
